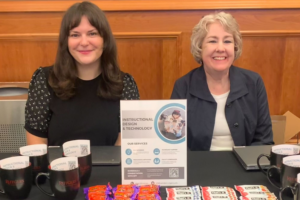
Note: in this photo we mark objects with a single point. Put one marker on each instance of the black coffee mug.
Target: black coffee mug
(275, 158)
(85, 166)
(288, 174)
(295, 190)
(39, 164)
(16, 183)
(64, 184)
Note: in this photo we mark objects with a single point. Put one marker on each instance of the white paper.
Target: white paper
(286, 149)
(292, 161)
(34, 150)
(153, 145)
(77, 148)
(65, 163)
(298, 178)
(16, 162)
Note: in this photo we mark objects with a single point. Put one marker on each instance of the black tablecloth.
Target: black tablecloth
(204, 169)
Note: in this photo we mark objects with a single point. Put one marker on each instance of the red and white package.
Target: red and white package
(183, 198)
(220, 197)
(193, 191)
(243, 189)
(257, 198)
(258, 194)
(208, 191)
(215, 188)
(180, 194)
(218, 193)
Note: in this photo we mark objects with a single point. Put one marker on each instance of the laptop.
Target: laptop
(101, 155)
(247, 156)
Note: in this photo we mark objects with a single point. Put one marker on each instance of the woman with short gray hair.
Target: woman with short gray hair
(227, 105)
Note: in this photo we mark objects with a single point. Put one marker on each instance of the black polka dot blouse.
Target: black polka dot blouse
(84, 116)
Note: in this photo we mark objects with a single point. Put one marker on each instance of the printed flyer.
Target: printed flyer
(154, 146)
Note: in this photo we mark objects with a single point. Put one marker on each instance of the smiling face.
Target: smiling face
(85, 44)
(217, 48)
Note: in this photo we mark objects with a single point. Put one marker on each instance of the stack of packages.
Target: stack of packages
(123, 192)
(133, 192)
(98, 192)
(218, 193)
(179, 193)
(254, 192)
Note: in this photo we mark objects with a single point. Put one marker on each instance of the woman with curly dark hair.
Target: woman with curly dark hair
(79, 96)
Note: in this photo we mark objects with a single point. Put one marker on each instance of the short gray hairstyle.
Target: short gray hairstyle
(201, 29)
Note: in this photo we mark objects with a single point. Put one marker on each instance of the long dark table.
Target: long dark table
(204, 168)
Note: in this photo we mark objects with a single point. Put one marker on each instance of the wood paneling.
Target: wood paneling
(264, 56)
(121, 5)
(284, 21)
(154, 44)
(290, 95)
(19, 59)
(153, 62)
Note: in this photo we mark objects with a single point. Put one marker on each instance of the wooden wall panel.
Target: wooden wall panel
(153, 21)
(154, 46)
(264, 56)
(19, 59)
(129, 5)
(142, 59)
(170, 66)
(290, 95)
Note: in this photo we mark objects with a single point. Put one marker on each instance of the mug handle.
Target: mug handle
(38, 186)
(291, 187)
(258, 159)
(2, 191)
(268, 176)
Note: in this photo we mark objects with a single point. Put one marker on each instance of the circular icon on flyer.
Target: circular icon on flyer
(156, 151)
(156, 161)
(170, 123)
(128, 161)
(128, 152)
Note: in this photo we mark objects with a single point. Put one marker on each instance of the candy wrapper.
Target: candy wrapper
(148, 197)
(149, 192)
(218, 193)
(149, 189)
(134, 192)
(258, 194)
(254, 191)
(122, 192)
(183, 192)
(257, 198)
(246, 188)
(98, 192)
(216, 188)
(184, 198)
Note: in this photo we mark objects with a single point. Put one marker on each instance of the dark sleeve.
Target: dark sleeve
(130, 90)
(179, 90)
(37, 112)
(263, 133)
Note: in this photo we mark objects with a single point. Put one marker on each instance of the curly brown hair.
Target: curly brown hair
(64, 75)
